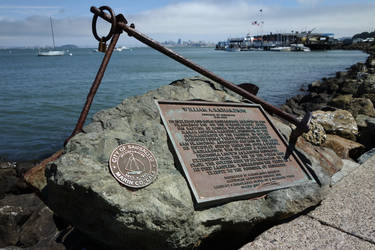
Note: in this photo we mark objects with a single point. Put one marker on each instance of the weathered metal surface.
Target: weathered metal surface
(36, 176)
(133, 165)
(95, 85)
(250, 87)
(298, 131)
(229, 151)
(103, 40)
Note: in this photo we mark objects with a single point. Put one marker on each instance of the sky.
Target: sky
(26, 23)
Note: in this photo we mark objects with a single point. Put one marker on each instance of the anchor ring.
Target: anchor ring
(113, 25)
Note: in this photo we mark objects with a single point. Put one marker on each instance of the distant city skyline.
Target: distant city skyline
(25, 23)
(188, 43)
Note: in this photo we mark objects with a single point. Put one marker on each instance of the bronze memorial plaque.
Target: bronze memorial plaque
(229, 150)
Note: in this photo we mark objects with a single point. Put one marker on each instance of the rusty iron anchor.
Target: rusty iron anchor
(118, 25)
(301, 126)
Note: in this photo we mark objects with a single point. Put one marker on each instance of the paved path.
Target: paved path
(344, 220)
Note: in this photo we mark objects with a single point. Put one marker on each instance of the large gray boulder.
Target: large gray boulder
(339, 122)
(163, 215)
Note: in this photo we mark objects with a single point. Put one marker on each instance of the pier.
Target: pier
(294, 41)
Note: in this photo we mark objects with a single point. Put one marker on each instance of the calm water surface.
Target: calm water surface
(41, 97)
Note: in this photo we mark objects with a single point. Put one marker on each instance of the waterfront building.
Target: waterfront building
(314, 41)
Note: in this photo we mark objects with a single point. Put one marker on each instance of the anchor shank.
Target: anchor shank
(172, 54)
(94, 87)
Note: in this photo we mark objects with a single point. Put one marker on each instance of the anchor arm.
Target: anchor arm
(302, 127)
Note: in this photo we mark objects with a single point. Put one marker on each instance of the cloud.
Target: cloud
(40, 26)
(225, 19)
(310, 2)
(198, 17)
(36, 30)
(15, 11)
(202, 20)
(27, 7)
(340, 19)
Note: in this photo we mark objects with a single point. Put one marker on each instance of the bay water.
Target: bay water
(41, 97)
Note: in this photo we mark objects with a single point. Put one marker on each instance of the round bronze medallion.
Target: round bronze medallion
(133, 165)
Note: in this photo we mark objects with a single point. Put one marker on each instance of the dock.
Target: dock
(294, 41)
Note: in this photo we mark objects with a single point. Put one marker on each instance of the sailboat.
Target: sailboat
(53, 52)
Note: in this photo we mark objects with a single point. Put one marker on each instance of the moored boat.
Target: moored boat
(121, 48)
(232, 48)
(53, 52)
(299, 47)
(281, 48)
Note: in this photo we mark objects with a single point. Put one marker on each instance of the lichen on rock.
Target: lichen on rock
(339, 122)
(316, 135)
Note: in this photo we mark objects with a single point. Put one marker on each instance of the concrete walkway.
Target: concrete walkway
(344, 220)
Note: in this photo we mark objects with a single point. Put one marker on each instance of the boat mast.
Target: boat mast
(53, 37)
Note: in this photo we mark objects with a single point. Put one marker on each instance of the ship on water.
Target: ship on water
(52, 52)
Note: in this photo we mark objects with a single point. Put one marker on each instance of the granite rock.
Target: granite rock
(27, 223)
(370, 62)
(163, 215)
(283, 127)
(316, 86)
(11, 183)
(362, 106)
(38, 227)
(342, 101)
(367, 86)
(341, 74)
(316, 134)
(364, 121)
(317, 98)
(23, 166)
(366, 127)
(15, 210)
(355, 106)
(370, 96)
(4, 163)
(329, 86)
(344, 148)
(349, 87)
(339, 122)
(326, 158)
(8, 181)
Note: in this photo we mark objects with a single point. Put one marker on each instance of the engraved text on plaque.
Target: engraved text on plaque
(229, 150)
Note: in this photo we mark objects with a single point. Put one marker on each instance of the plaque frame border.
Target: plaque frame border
(203, 202)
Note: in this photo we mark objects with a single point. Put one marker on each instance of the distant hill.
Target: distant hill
(364, 35)
(68, 46)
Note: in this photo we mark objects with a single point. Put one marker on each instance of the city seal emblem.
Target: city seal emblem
(133, 165)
